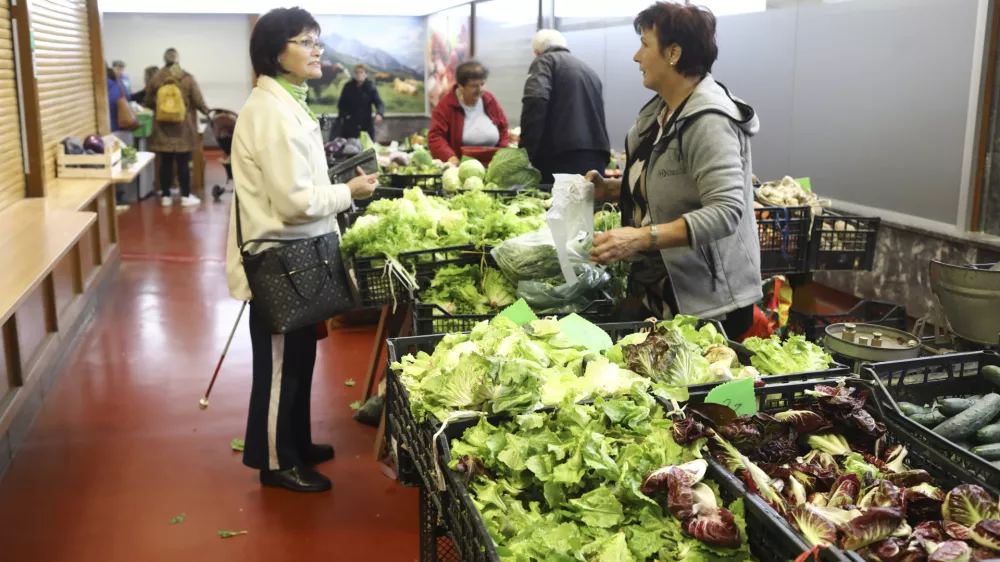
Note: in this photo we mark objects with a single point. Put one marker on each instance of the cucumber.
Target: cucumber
(989, 452)
(991, 373)
(954, 406)
(909, 409)
(989, 434)
(971, 420)
(930, 419)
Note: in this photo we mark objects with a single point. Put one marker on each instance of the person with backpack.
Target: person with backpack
(175, 97)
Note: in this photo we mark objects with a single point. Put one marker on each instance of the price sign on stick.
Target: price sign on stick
(738, 395)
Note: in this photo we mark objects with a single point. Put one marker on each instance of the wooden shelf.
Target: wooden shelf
(36, 236)
(73, 194)
(143, 159)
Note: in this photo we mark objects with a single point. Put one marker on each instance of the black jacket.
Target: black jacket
(562, 109)
(355, 108)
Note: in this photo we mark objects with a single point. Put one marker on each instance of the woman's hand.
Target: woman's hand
(619, 244)
(600, 187)
(363, 185)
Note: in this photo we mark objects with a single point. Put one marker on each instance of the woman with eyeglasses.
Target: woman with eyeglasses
(468, 115)
(283, 192)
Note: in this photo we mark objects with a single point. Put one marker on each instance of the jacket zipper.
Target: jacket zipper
(706, 251)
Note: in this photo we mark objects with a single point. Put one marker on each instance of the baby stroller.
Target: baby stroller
(223, 122)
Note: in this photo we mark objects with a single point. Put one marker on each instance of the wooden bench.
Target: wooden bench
(38, 236)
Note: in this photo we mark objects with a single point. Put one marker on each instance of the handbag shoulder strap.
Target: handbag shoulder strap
(121, 89)
(239, 223)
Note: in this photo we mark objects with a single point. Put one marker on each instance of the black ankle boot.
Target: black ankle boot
(296, 479)
(316, 454)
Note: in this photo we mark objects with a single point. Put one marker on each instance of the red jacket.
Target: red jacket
(448, 121)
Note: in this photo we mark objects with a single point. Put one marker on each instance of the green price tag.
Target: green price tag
(806, 184)
(519, 312)
(737, 394)
(583, 332)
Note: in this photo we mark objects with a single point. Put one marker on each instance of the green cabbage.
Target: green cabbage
(473, 183)
(450, 180)
(471, 169)
(510, 167)
(421, 157)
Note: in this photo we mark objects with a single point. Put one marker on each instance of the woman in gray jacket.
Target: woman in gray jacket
(689, 232)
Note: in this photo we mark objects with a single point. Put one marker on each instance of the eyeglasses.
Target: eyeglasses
(309, 45)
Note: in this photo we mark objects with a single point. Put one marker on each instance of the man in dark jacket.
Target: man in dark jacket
(562, 112)
(355, 105)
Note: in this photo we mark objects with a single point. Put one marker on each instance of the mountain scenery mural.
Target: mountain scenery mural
(391, 47)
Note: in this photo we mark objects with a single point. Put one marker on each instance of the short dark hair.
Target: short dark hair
(690, 27)
(271, 35)
(470, 70)
(360, 66)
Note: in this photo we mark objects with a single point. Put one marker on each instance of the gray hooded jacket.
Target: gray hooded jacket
(701, 170)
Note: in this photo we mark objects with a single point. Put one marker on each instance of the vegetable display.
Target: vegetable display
(417, 221)
(971, 422)
(824, 465)
(502, 367)
(601, 482)
(469, 290)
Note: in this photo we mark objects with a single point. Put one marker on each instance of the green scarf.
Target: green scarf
(298, 94)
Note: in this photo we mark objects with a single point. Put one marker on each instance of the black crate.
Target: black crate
(770, 538)
(813, 326)
(784, 239)
(409, 443)
(939, 461)
(435, 544)
(432, 319)
(375, 289)
(921, 381)
(834, 246)
(426, 182)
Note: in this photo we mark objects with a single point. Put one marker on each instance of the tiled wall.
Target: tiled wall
(900, 274)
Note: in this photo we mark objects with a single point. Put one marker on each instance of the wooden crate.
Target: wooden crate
(102, 166)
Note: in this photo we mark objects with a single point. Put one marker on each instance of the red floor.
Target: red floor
(120, 446)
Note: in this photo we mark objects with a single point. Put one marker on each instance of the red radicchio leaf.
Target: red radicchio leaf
(969, 504)
(930, 530)
(889, 550)
(818, 499)
(688, 430)
(845, 491)
(888, 495)
(909, 479)
(923, 504)
(987, 533)
(877, 524)
(979, 554)
(821, 479)
(804, 421)
(816, 529)
(680, 493)
(951, 551)
(956, 531)
(471, 467)
(741, 433)
(715, 415)
(715, 527)
(655, 481)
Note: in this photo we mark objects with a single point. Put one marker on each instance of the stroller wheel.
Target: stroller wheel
(217, 192)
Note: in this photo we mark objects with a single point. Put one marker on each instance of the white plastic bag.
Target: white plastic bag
(571, 216)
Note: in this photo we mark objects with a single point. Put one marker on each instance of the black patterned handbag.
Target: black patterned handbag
(297, 283)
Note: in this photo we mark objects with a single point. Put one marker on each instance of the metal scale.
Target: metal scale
(969, 296)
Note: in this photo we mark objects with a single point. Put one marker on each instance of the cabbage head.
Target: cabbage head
(471, 169)
(451, 181)
(510, 167)
(473, 183)
(421, 157)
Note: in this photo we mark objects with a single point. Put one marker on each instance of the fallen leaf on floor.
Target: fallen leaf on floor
(349, 382)
(224, 534)
(179, 519)
(237, 444)
(356, 405)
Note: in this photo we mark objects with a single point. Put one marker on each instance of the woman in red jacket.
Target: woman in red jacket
(468, 115)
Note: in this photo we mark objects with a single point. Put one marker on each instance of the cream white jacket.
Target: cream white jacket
(281, 177)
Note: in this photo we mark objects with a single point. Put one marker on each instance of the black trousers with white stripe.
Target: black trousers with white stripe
(278, 426)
